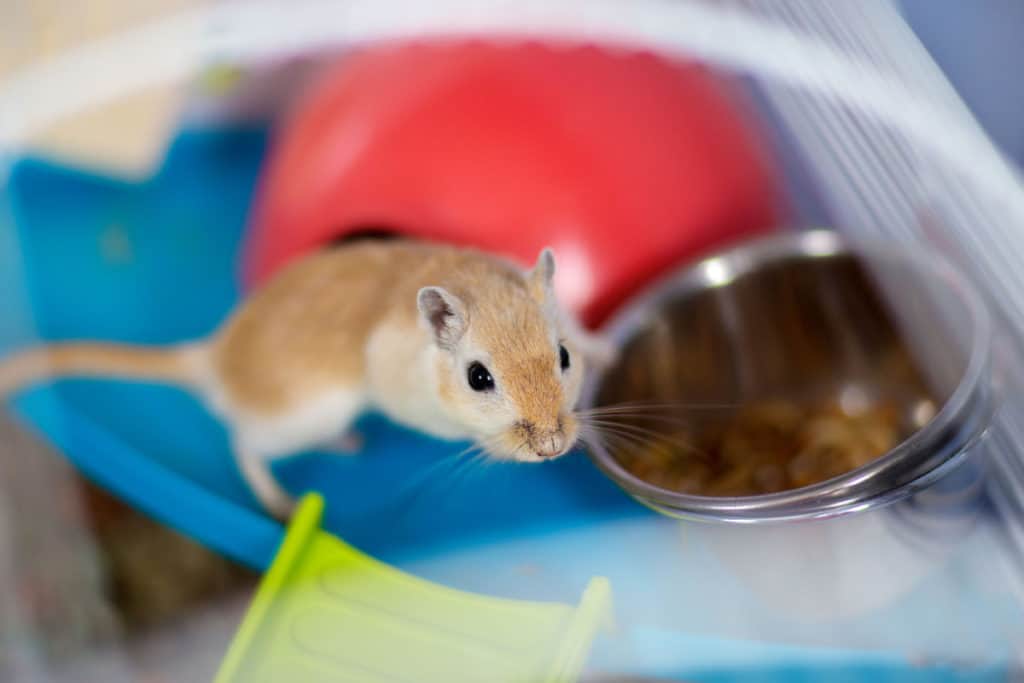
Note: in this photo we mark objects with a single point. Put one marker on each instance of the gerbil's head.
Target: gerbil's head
(506, 369)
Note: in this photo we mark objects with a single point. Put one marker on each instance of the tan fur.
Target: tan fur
(340, 330)
(172, 365)
(306, 330)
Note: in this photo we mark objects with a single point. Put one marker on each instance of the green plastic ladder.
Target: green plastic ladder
(327, 612)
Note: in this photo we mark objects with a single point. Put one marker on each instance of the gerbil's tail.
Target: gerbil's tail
(182, 365)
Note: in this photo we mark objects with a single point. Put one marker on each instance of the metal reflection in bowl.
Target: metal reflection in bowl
(791, 365)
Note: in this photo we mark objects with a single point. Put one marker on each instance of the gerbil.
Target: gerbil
(453, 342)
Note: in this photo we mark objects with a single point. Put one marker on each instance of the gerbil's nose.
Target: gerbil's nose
(551, 446)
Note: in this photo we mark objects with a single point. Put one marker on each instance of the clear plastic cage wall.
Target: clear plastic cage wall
(129, 163)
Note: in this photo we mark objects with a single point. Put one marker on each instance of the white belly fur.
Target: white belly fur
(314, 423)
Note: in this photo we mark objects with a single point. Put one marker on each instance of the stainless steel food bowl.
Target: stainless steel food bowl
(798, 316)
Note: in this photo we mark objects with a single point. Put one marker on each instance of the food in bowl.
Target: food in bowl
(765, 447)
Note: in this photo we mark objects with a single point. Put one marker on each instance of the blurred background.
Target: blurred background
(95, 585)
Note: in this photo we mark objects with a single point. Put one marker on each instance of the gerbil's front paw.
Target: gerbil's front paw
(281, 507)
(350, 443)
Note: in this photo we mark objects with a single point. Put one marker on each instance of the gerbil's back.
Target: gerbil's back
(306, 329)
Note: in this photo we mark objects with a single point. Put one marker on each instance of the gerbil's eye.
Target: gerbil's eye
(480, 378)
(563, 357)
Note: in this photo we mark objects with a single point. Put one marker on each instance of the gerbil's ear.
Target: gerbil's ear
(444, 315)
(598, 350)
(542, 276)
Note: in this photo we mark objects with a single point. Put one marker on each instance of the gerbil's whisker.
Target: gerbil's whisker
(481, 461)
(621, 437)
(683, 445)
(615, 442)
(469, 450)
(489, 444)
(665, 405)
(642, 437)
(592, 437)
(458, 476)
(411, 494)
(666, 411)
(665, 419)
(626, 426)
(444, 470)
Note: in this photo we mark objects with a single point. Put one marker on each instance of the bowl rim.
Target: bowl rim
(860, 488)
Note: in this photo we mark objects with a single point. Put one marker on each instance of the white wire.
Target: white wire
(825, 165)
(860, 150)
(860, 169)
(848, 146)
(893, 208)
(856, 149)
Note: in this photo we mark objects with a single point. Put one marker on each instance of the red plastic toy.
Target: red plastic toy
(625, 163)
